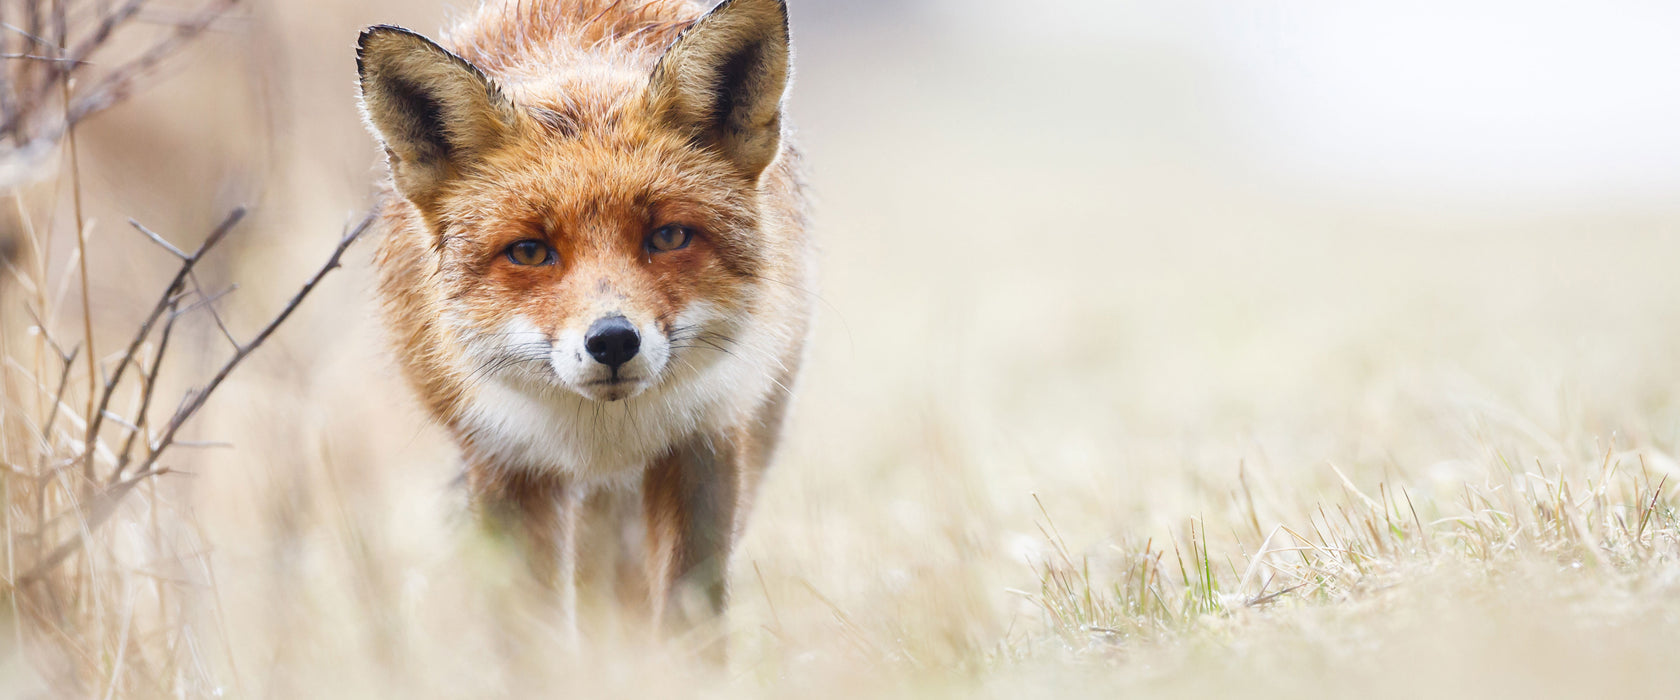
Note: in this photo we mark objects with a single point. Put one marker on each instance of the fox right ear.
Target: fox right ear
(724, 80)
(435, 113)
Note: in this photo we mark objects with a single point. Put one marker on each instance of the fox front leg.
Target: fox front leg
(690, 498)
(540, 514)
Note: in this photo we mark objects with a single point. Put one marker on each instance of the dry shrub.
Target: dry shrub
(104, 578)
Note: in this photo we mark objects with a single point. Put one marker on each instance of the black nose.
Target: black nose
(612, 341)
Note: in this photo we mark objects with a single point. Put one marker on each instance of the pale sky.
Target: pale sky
(1480, 98)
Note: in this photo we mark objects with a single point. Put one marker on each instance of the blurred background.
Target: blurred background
(1086, 262)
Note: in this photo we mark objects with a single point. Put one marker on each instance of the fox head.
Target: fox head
(597, 229)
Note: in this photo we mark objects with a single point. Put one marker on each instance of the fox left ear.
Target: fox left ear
(725, 78)
(436, 114)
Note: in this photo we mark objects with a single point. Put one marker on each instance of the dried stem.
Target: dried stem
(106, 501)
(117, 86)
(165, 302)
(87, 283)
(29, 77)
(72, 58)
(58, 396)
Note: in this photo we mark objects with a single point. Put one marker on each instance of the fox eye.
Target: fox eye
(670, 238)
(531, 253)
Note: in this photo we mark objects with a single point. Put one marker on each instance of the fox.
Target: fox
(594, 268)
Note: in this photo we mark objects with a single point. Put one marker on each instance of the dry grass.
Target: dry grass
(1070, 429)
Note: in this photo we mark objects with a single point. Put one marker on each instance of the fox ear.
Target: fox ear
(435, 113)
(724, 79)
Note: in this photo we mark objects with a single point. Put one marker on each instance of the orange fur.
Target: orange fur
(586, 136)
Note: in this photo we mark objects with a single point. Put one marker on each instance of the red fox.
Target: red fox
(594, 266)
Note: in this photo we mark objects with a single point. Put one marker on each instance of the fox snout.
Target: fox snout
(613, 341)
(612, 358)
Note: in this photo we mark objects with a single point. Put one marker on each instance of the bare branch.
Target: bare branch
(46, 334)
(165, 303)
(75, 57)
(203, 444)
(33, 57)
(120, 421)
(165, 244)
(149, 386)
(25, 97)
(104, 506)
(209, 303)
(196, 399)
(58, 395)
(105, 503)
(27, 35)
(120, 82)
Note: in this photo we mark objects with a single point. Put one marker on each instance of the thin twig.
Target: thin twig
(27, 35)
(33, 57)
(117, 85)
(147, 389)
(165, 303)
(209, 304)
(166, 245)
(195, 400)
(58, 396)
(104, 506)
(105, 503)
(82, 263)
(74, 58)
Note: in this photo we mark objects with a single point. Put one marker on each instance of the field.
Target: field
(1120, 388)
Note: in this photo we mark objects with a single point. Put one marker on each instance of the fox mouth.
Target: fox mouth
(614, 382)
(612, 388)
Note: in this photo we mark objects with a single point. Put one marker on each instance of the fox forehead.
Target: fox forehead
(599, 203)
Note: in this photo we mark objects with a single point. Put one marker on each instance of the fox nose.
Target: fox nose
(613, 341)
